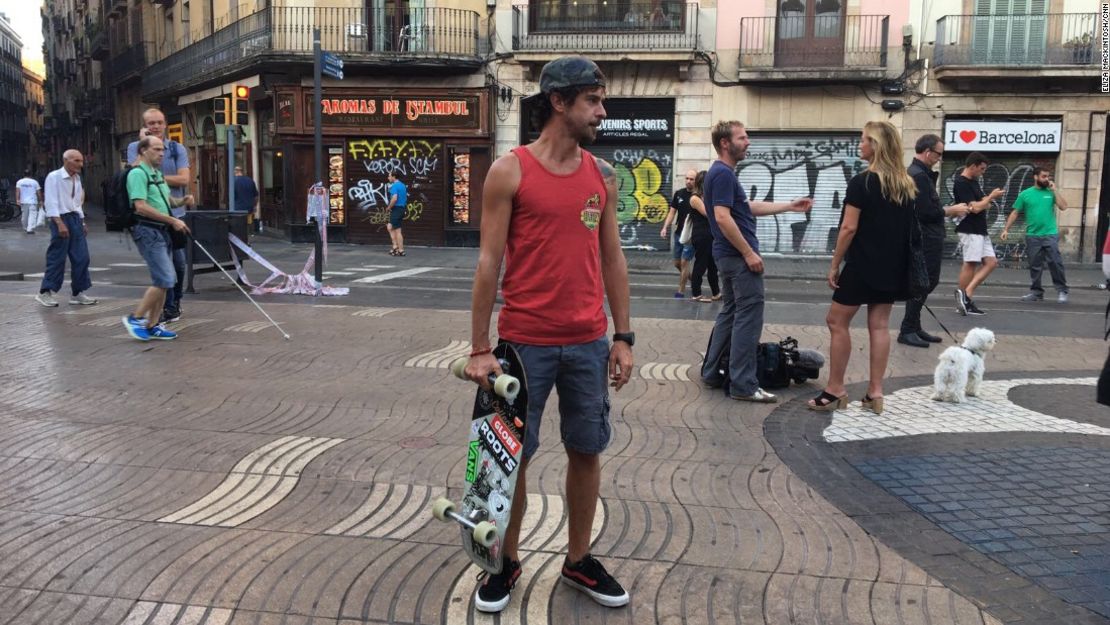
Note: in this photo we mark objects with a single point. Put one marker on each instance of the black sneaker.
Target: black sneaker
(592, 578)
(972, 309)
(172, 315)
(961, 302)
(493, 594)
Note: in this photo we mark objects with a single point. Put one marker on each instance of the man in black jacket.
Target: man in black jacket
(931, 215)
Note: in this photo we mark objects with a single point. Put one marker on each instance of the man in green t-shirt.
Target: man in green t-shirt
(150, 196)
(1038, 204)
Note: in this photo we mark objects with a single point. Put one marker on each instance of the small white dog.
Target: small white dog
(960, 370)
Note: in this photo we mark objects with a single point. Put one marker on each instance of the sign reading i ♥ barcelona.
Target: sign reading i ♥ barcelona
(992, 136)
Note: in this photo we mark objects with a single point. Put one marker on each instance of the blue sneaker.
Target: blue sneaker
(160, 333)
(136, 328)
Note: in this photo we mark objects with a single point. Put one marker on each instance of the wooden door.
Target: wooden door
(210, 181)
(810, 33)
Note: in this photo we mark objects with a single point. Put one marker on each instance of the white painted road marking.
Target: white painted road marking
(260, 481)
(395, 274)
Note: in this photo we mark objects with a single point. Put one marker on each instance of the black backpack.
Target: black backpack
(119, 214)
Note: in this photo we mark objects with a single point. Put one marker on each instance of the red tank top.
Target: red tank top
(552, 286)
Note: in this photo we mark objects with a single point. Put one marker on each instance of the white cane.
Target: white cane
(241, 289)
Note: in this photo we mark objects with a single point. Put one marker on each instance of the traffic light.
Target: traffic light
(221, 110)
(240, 108)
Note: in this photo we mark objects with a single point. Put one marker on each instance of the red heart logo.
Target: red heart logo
(968, 135)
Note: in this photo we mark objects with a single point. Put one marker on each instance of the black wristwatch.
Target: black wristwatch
(625, 337)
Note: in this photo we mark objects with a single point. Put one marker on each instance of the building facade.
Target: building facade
(432, 89)
(804, 76)
(13, 104)
(1019, 82)
(413, 99)
(78, 103)
(37, 142)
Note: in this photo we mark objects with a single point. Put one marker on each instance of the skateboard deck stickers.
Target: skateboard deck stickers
(494, 454)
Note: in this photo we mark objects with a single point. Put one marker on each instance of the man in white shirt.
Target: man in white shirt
(64, 197)
(29, 194)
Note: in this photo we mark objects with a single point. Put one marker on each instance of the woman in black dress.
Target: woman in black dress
(702, 240)
(874, 243)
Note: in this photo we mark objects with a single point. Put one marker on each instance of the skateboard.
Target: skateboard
(493, 457)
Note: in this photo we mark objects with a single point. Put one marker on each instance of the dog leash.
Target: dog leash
(954, 339)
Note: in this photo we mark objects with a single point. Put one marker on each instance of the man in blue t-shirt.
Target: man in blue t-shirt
(736, 250)
(175, 169)
(398, 204)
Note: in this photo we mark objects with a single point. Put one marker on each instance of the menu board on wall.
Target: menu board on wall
(335, 186)
(460, 202)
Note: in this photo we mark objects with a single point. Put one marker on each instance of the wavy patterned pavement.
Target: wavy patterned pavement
(233, 478)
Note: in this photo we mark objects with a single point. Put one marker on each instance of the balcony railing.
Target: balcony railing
(285, 33)
(98, 39)
(814, 42)
(590, 26)
(129, 64)
(1051, 39)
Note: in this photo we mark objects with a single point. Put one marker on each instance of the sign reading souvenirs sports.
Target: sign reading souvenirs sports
(991, 136)
(398, 112)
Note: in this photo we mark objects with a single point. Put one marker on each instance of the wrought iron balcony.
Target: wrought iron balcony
(1027, 41)
(98, 39)
(432, 37)
(603, 27)
(814, 47)
(129, 64)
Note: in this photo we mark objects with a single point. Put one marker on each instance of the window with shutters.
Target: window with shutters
(1009, 32)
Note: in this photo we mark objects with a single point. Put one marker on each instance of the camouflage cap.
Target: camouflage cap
(568, 71)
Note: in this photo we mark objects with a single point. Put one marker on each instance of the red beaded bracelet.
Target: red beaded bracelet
(481, 352)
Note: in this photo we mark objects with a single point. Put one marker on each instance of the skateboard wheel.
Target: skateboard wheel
(506, 386)
(441, 507)
(485, 534)
(458, 368)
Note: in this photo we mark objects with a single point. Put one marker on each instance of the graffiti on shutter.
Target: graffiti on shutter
(1013, 173)
(644, 175)
(780, 168)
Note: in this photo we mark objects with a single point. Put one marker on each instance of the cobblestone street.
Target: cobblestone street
(231, 477)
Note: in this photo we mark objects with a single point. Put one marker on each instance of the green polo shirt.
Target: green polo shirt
(1039, 208)
(144, 183)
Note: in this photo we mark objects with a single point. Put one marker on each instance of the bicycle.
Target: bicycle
(9, 210)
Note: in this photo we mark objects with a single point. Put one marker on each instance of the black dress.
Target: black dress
(875, 266)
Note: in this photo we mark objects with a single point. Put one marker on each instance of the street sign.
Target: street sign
(332, 66)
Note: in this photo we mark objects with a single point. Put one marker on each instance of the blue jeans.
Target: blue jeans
(76, 248)
(1039, 250)
(155, 247)
(173, 296)
(739, 326)
(580, 374)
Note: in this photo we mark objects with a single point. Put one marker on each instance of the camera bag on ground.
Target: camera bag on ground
(776, 364)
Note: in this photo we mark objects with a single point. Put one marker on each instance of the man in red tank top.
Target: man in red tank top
(550, 210)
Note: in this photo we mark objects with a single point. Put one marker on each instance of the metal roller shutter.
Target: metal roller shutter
(1013, 173)
(781, 167)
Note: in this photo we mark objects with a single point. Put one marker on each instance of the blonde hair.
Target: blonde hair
(898, 186)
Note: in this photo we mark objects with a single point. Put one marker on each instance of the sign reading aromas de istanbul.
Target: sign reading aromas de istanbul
(988, 136)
